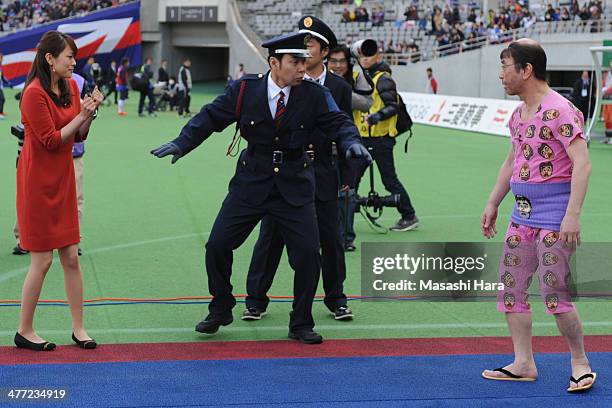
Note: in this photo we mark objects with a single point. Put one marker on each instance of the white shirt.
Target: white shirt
(320, 79)
(273, 94)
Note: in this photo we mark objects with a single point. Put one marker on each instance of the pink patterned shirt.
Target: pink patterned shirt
(540, 143)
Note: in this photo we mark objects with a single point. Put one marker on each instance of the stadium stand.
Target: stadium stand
(18, 15)
(410, 32)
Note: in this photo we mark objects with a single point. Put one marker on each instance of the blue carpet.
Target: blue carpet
(436, 381)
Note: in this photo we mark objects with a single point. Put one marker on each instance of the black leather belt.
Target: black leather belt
(277, 156)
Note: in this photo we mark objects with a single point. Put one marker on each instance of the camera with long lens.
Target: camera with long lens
(377, 202)
(364, 48)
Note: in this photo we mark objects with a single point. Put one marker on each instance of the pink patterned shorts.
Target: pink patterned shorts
(526, 250)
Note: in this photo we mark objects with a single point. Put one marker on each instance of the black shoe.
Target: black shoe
(306, 337)
(253, 313)
(80, 252)
(342, 313)
(406, 225)
(85, 344)
(211, 324)
(22, 342)
(349, 247)
(18, 250)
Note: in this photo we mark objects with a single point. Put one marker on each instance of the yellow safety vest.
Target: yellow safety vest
(386, 127)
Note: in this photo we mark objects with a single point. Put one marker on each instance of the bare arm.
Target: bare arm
(570, 226)
(502, 185)
(501, 188)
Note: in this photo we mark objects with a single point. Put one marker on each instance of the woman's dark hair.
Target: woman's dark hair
(527, 53)
(348, 75)
(54, 43)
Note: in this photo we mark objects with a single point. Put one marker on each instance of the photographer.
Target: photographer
(339, 62)
(377, 127)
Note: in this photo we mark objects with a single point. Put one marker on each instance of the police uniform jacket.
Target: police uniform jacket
(326, 174)
(310, 107)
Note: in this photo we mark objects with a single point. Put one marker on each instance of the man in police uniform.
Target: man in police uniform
(377, 127)
(269, 247)
(274, 176)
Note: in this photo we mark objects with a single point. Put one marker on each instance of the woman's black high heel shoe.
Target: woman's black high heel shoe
(85, 344)
(22, 342)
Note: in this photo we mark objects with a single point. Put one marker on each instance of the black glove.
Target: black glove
(374, 119)
(167, 149)
(358, 151)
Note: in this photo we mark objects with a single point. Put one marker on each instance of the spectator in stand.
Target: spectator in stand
(548, 15)
(565, 15)
(346, 16)
(472, 16)
(447, 14)
(361, 14)
(456, 18)
(432, 84)
(411, 13)
(23, 14)
(378, 16)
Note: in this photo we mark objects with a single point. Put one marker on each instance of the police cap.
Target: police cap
(294, 44)
(317, 28)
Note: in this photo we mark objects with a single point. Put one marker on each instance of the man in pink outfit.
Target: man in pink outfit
(547, 169)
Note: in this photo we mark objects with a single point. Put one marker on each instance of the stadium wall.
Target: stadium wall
(215, 46)
(475, 73)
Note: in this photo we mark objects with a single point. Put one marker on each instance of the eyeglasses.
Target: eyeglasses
(503, 67)
(337, 61)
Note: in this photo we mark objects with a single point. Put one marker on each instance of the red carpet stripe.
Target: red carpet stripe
(236, 350)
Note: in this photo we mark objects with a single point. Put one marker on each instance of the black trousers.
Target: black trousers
(2, 100)
(298, 228)
(141, 101)
(269, 249)
(184, 102)
(112, 89)
(381, 149)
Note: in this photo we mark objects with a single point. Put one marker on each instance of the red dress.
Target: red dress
(46, 189)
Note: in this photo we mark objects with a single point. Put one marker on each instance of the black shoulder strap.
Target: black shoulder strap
(234, 146)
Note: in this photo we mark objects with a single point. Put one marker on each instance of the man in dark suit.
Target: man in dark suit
(269, 247)
(277, 113)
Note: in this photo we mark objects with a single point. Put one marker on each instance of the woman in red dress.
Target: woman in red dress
(54, 117)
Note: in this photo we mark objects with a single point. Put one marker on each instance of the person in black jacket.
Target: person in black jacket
(269, 247)
(583, 95)
(147, 90)
(111, 81)
(377, 128)
(162, 72)
(279, 113)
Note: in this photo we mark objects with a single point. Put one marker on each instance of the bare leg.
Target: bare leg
(40, 262)
(570, 326)
(73, 282)
(524, 364)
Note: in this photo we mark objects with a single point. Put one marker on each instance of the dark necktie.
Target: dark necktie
(280, 106)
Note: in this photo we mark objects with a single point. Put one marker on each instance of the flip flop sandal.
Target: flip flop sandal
(510, 376)
(584, 387)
